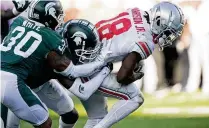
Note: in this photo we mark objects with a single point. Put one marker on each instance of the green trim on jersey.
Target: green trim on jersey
(28, 96)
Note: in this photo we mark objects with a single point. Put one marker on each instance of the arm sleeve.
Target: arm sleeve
(53, 41)
(85, 90)
(81, 70)
(145, 49)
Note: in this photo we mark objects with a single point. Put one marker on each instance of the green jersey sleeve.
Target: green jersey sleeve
(53, 41)
(24, 49)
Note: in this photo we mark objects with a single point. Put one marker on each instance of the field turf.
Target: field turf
(179, 110)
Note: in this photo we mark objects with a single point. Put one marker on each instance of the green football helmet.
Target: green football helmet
(47, 12)
(83, 40)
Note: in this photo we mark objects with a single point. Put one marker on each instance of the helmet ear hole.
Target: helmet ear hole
(158, 20)
(158, 23)
(167, 23)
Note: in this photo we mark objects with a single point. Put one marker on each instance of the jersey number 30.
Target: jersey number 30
(6, 46)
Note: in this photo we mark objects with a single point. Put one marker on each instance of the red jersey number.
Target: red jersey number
(119, 26)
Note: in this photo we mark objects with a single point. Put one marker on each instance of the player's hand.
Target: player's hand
(139, 70)
(105, 51)
(21, 5)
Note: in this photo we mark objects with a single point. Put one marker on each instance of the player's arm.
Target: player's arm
(7, 14)
(20, 6)
(84, 89)
(137, 53)
(64, 66)
(126, 74)
(65, 81)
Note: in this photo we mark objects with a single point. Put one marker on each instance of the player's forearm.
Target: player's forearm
(127, 68)
(8, 14)
(132, 78)
(65, 67)
(85, 90)
(57, 62)
(65, 81)
(82, 70)
(123, 76)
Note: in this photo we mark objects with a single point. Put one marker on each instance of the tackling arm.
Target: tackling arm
(126, 74)
(83, 90)
(65, 67)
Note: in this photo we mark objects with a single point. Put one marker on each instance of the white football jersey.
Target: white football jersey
(128, 32)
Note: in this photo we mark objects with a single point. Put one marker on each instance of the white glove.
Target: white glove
(105, 51)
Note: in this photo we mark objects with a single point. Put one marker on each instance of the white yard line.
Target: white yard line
(201, 110)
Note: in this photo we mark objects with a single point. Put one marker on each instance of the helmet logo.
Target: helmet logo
(78, 37)
(20, 3)
(49, 9)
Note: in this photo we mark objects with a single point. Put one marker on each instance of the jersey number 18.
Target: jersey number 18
(118, 25)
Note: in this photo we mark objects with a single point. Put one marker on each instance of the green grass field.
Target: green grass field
(173, 111)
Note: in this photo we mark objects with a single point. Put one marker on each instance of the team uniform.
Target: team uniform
(134, 31)
(128, 32)
(23, 53)
(50, 93)
(130, 36)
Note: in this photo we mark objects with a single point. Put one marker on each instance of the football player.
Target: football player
(31, 43)
(132, 36)
(53, 95)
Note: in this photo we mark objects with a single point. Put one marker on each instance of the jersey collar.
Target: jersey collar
(37, 23)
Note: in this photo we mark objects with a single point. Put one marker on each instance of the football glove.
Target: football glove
(105, 51)
(138, 72)
(21, 5)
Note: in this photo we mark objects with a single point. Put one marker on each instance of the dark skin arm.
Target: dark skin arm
(67, 83)
(57, 62)
(6, 15)
(125, 74)
(60, 63)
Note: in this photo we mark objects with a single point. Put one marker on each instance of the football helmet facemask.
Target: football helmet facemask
(48, 12)
(83, 40)
(167, 22)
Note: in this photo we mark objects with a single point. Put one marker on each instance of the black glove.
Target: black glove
(110, 66)
(139, 70)
(21, 5)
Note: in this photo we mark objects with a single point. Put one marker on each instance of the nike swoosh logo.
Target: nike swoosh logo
(81, 89)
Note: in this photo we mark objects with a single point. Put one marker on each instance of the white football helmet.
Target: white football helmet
(167, 22)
